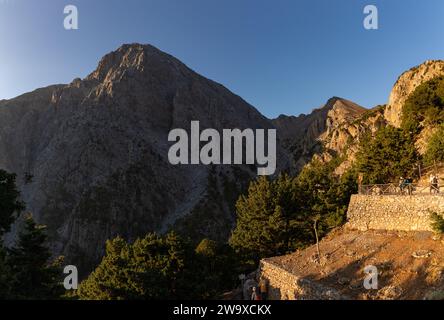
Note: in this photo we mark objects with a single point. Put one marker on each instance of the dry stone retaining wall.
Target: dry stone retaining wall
(395, 212)
(283, 285)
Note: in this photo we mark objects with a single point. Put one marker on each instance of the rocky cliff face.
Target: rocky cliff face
(406, 84)
(326, 132)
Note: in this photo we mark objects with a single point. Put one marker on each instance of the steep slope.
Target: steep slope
(97, 153)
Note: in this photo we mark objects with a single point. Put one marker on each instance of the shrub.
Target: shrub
(437, 222)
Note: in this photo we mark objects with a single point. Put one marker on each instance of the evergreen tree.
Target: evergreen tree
(435, 147)
(109, 280)
(5, 276)
(277, 217)
(387, 156)
(10, 205)
(32, 276)
(218, 267)
(268, 218)
(150, 268)
(325, 195)
(425, 106)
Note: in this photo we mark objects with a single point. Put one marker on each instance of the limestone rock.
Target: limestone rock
(406, 84)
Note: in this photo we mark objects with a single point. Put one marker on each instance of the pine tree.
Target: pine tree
(276, 217)
(109, 280)
(32, 276)
(10, 204)
(326, 195)
(151, 268)
(387, 156)
(435, 147)
(10, 207)
(218, 267)
(268, 218)
(5, 276)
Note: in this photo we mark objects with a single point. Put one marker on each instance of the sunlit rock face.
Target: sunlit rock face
(406, 84)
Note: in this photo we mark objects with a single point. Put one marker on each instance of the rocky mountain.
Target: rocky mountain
(91, 156)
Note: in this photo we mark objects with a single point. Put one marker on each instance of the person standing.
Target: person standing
(263, 287)
(431, 178)
(255, 295)
(435, 184)
(401, 185)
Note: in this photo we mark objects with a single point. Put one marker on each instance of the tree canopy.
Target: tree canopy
(435, 147)
(277, 216)
(425, 106)
(391, 153)
(159, 267)
(10, 205)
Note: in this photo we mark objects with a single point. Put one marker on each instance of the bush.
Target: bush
(437, 222)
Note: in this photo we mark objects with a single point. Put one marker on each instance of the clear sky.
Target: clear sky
(282, 56)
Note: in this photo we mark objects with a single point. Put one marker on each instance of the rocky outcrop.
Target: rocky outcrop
(406, 84)
(322, 132)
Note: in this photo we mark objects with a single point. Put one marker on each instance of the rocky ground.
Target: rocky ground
(410, 264)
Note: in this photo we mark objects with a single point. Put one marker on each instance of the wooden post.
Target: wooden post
(317, 240)
(360, 179)
(419, 169)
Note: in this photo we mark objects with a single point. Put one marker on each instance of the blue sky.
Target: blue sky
(282, 56)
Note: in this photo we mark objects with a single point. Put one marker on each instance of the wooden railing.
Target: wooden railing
(395, 189)
(434, 168)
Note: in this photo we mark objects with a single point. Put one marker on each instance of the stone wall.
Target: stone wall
(282, 285)
(404, 213)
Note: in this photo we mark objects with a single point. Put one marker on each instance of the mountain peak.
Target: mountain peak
(340, 110)
(134, 57)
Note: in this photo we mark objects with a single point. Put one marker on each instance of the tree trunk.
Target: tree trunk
(317, 241)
